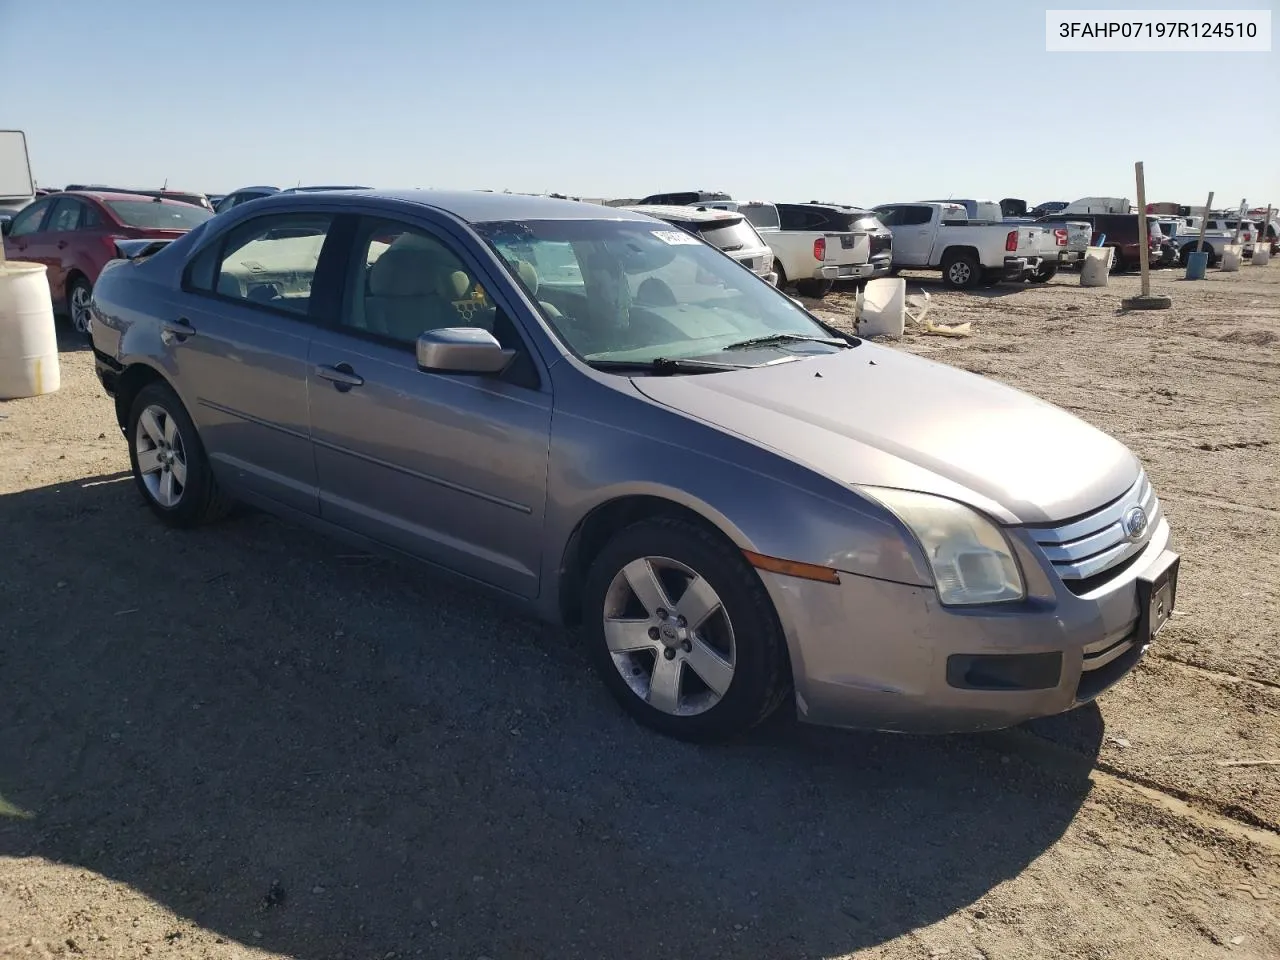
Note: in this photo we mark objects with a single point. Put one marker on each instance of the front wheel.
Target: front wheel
(168, 460)
(1118, 263)
(79, 297)
(683, 633)
(1043, 273)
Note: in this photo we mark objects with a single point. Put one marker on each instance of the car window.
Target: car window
(734, 235)
(913, 216)
(887, 215)
(761, 215)
(638, 291)
(158, 214)
(403, 281)
(90, 218)
(65, 216)
(269, 261)
(29, 220)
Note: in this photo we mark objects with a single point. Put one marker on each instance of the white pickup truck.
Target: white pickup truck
(970, 253)
(1218, 233)
(816, 244)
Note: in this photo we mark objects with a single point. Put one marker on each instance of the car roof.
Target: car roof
(478, 206)
(117, 195)
(688, 214)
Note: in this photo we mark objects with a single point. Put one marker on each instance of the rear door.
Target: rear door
(239, 336)
(451, 468)
(913, 232)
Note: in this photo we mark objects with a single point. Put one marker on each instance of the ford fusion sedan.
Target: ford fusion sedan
(612, 423)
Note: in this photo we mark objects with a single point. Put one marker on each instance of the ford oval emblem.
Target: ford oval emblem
(1135, 523)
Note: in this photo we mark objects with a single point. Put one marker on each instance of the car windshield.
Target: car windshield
(637, 291)
(159, 215)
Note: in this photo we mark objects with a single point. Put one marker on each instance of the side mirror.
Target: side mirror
(462, 350)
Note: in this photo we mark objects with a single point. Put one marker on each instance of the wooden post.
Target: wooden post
(1144, 257)
(1204, 221)
(1244, 205)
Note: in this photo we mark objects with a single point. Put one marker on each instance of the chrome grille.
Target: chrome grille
(1085, 548)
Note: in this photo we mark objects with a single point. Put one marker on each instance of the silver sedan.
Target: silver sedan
(614, 424)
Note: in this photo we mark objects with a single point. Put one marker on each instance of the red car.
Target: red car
(75, 234)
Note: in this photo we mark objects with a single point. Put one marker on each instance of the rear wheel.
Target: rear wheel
(817, 289)
(79, 297)
(782, 274)
(1043, 273)
(169, 463)
(683, 633)
(1118, 262)
(961, 271)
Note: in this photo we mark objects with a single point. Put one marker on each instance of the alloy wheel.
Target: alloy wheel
(959, 273)
(669, 636)
(161, 456)
(80, 315)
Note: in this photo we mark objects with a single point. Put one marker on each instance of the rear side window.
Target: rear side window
(913, 216)
(65, 217)
(736, 235)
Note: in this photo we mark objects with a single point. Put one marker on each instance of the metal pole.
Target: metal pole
(1204, 222)
(1144, 257)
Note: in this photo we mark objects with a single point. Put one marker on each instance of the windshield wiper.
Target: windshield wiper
(772, 338)
(664, 366)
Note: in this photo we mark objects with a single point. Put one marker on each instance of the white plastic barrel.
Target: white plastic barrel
(28, 338)
(1096, 268)
(882, 308)
(1261, 254)
(1232, 254)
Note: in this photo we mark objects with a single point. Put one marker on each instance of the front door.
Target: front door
(451, 468)
(26, 238)
(239, 335)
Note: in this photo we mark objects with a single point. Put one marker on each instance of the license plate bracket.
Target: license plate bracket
(1157, 593)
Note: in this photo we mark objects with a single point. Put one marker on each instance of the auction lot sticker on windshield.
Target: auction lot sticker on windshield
(674, 237)
(1157, 31)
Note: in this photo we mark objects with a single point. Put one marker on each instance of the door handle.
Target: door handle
(341, 376)
(179, 330)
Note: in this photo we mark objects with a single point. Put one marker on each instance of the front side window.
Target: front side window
(29, 220)
(269, 261)
(633, 292)
(404, 281)
(761, 215)
(914, 216)
(158, 214)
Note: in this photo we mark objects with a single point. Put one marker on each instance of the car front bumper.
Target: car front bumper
(872, 654)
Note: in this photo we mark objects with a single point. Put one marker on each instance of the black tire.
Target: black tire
(817, 289)
(201, 500)
(782, 274)
(79, 293)
(1118, 262)
(962, 271)
(1043, 273)
(761, 678)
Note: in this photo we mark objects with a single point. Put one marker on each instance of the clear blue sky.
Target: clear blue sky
(861, 102)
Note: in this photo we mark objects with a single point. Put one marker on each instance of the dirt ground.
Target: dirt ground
(247, 741)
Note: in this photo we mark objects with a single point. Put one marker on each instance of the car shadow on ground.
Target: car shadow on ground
(932, 282)
(321, 753)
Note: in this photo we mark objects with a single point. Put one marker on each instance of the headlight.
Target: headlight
(971, 560)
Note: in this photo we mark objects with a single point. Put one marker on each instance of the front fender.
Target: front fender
(760, 500)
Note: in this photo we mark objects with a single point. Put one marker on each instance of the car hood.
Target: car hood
(874, 415)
